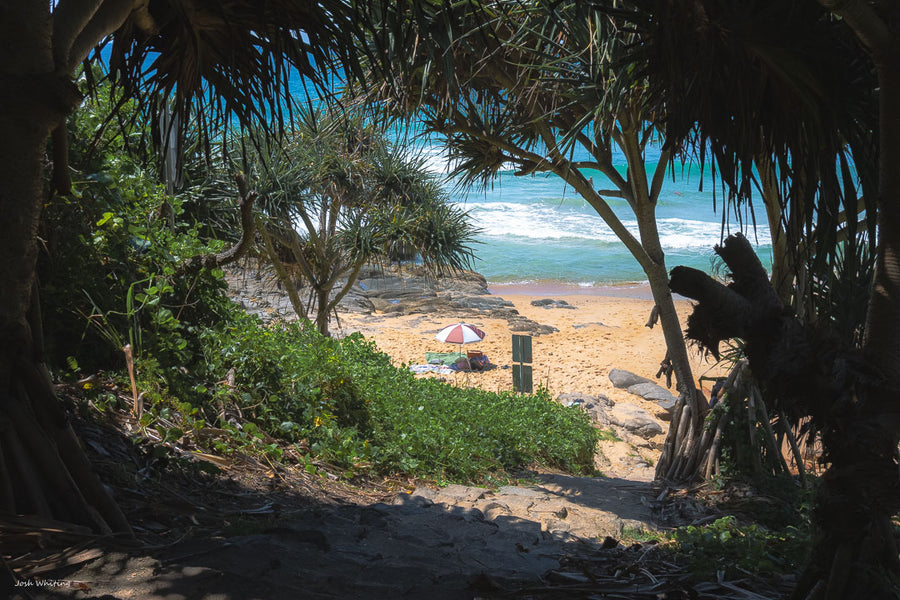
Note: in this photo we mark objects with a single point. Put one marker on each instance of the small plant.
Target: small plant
(725, 546)
(608, 435)
(632, 533)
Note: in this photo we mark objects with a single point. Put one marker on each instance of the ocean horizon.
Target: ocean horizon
(536, 231)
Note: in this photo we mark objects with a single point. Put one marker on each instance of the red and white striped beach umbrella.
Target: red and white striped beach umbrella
(461, 333)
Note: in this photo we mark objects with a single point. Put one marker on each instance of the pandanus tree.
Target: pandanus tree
(792, 83)
(336, 194)
(788, 118)
(213, 62)
(535, 87)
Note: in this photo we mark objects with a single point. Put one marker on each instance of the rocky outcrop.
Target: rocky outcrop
(390, 291)
(635, 420)
(596, 406)
(645, 388)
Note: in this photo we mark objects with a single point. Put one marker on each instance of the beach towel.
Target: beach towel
(440, 369)
(442, 358)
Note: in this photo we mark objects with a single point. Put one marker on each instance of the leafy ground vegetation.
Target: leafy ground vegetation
(286, 392)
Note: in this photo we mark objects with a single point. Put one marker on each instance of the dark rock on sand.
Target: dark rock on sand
(584, 325)
(522, 324)
(482, 303)
(624, 379)
(551, 303)
(653, 392)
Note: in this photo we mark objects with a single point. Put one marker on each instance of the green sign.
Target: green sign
(522, 378)
(521, 349)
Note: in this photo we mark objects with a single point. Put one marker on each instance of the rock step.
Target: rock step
(589, 509)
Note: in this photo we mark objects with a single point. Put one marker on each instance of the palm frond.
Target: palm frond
(235, 62)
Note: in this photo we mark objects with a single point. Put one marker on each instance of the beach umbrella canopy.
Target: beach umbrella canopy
(461, 333)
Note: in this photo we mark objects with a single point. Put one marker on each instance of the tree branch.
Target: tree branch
(281, 272)
(248, 229)
(69, 19)
(110, 15)
(869, 27)
(351, 279)
(659, 174)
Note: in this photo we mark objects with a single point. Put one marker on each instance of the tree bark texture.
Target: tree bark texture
(851, 402)
(40, 458)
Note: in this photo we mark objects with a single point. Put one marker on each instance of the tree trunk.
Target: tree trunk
(687, 421)
(40, 457)
(322, 310)
(782, 260)
(851, 403)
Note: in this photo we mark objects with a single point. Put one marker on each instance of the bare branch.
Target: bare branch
(109, 17)
(248, 230)
(69, 19)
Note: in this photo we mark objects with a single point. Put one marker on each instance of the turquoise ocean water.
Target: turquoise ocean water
(536, 231)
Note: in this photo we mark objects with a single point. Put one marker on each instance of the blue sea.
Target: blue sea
(537, 231)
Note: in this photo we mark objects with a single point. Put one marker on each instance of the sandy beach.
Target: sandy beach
(605, 330)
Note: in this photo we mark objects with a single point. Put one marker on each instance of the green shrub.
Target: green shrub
(725, 546)
(352, 406)
(111, 275)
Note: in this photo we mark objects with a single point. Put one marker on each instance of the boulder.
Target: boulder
(483, 303)
(668, 406)
(518, 323)
(635, 420)
(651, 391)
(624, 379)
(596, 406)
(584, 399)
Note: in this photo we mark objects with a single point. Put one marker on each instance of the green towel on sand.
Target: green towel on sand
(443, 358)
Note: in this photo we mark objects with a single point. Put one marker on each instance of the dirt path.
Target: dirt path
(455, 542)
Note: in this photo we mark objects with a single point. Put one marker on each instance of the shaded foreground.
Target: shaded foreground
(265, 531)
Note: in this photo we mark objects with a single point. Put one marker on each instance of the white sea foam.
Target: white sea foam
(500, 221)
